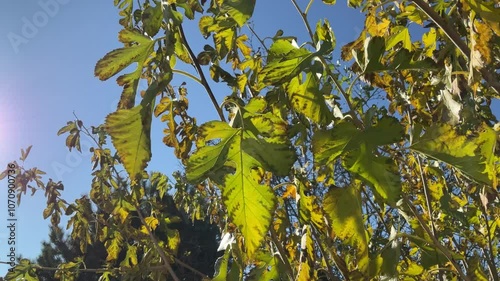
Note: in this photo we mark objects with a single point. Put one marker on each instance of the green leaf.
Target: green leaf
(113, 246)
(390, 255)
(23, 271)
(324, 33)
(204, 24)
(486, 9)
(307, 99)
(430, 255)
(357, 146)
(474, 271)
(429, 40)
(280, 48)
(330, 2)
(221, 266)
(328, 145)
(210, 157)
(309, 209)
(106, 276)
(370, 61)
(180, 49)
(403, 60)
(379, 172)
(285, 66)
(473, 155)
(374, 48)
(117, 60)
(131, 257)
(400, 34)
(151, 19)
(354, 3)
(267, 267)
(343, 210)
(235, 157)
(239, 10)
(249, 203)
(130, 133)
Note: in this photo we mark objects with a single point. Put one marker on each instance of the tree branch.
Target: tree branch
(456, 40)
(282, 252)
(197, 66)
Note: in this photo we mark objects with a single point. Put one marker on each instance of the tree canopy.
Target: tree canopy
(383, 166)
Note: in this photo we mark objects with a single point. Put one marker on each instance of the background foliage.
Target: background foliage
(307, 174)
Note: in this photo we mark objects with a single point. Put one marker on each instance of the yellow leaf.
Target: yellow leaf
(174, 240)
(374, 28)
(291, 192)
(483, 35)
(429, 40)
(152, 222)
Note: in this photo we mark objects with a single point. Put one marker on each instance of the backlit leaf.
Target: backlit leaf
(379, 172)
(486, 9)
(286, 66)
(343, 210)
(130, 133)
(239, 10)
(113, 246)
(117, 60)
(401, 34)
(23, 271)
(237, 156)
(429, 40)
(266, 268)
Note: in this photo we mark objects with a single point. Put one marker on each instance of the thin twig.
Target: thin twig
(197, 66)
(436, 243)
(304, 19)
(187, 74)
(342, 270)
(187, 266)
(258, 38)
(426, 194)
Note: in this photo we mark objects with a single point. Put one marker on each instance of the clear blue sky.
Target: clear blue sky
(50, 76)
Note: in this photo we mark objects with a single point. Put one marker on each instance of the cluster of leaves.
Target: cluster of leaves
(310, 178)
